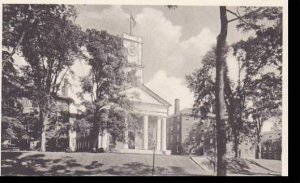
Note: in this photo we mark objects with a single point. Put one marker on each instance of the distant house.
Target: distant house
(62, 103)
(271, 145)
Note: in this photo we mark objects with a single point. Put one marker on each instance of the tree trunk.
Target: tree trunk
(231, 106)
(95, 137)
(237, 136)
(234, 125)
(45, 120)
(220, 101)
(235, 132)
(236, 143)
(258, 149)
(43, 140)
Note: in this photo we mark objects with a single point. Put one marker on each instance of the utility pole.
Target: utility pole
(215, 148)
(153, 169)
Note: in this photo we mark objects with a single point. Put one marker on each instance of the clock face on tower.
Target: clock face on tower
(132, 50)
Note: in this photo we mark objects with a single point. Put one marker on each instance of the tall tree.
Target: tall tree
(266, 104)
(202, 83)
(261, 58)
(259, 63)
(108, 106)
(49, 49)
(220, 100)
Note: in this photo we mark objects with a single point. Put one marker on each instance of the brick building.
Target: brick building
(270, 146)
(189, 134)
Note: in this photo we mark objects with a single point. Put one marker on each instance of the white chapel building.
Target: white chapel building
(152, 109)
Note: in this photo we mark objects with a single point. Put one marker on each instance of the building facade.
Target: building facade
(151, 109)
(270, 146)
(187, 134)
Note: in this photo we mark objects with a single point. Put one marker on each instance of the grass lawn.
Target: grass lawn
(111, 164)
(114, 164)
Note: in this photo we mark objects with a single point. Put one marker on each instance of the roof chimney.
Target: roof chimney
(177, 106)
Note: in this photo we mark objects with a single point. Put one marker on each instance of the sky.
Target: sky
(174, 41)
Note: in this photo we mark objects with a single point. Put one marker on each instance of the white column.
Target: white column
(164, 134)
(99, 140)
(72, 140)
(104, 143)
(158, 134)
(126, 134)
(145, 132)
(72, 137)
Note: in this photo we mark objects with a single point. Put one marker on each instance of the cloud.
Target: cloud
(170, 88)
(113, 19)
(166, 55)
(163, 47)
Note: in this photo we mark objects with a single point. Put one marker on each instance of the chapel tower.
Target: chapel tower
(133, 46)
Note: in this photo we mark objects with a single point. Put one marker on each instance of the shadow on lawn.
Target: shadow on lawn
(140, 169)
(38, 164)
(241, 166)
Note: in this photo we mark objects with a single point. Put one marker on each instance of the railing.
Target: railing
(84, 143)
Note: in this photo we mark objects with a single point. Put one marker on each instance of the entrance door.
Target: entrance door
(131, 140)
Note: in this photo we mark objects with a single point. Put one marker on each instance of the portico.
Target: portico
(153, 112)
(147, 143)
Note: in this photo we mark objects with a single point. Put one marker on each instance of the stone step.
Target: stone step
(13, 148)
(139, 151)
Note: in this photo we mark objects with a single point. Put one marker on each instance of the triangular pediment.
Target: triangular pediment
(143, 94)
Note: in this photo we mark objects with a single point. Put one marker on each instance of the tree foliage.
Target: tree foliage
(12, 128)
(261, 57)
(49, 41)
(107, 106)
(258, 91)
(202, 83)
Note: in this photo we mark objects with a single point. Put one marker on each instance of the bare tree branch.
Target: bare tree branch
(238, 16)
(7, 59)
(233, 19)
(63, 76)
